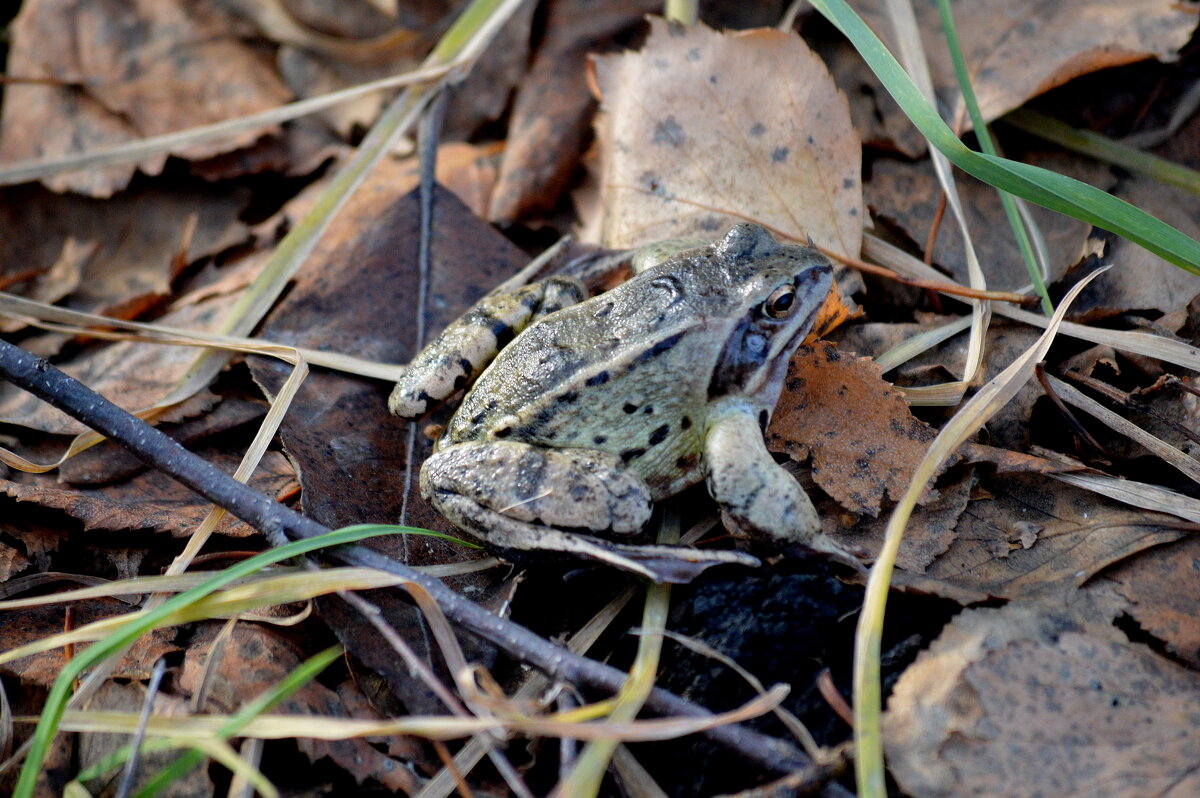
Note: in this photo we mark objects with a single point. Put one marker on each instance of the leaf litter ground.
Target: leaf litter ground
(690, 138)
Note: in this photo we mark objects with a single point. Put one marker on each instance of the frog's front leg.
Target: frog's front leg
(465, 348)
(757, 496)
(516, 496)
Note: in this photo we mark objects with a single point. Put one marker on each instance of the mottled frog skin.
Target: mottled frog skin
(598, 408)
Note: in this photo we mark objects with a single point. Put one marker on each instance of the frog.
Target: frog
(580, 414)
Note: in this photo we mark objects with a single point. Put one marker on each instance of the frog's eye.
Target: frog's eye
(780, 303)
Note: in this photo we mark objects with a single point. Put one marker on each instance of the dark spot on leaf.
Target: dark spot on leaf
(652, 183)
(669, 132)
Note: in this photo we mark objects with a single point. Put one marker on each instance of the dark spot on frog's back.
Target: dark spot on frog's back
(693, 54)
(599, 440)
(630, 454)
(597, 379)
(659, 435)
(629, 408)
(687, 462)
(659, 347)
(764, 418)
(780, 154)
(669, 132)
(757, 129)
(685, 423)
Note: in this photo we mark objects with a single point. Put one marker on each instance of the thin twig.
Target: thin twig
(279, 524)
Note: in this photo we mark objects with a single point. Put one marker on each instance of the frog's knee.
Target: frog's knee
(571, 489)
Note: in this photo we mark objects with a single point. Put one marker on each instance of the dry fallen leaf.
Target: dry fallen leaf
(693, 139)
(1019, 701)
(24, 626)
(1162, 588)
(1026, 536)
(552, 109)
(150, 500)
(864, 441)
(118, 256)
(134, 375)
(104, 74)
(1017, 49)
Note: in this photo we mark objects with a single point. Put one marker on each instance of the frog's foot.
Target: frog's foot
(757, 496)
(521, 497)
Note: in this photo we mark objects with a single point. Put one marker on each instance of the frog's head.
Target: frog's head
(777, 291)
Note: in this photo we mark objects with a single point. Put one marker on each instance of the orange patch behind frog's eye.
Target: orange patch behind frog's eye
(780, 303)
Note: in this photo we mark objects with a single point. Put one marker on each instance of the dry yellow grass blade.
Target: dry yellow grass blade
(1136, 494)
(912, 56)
(1073, 396)
(281, 727)
(443, 784)
(1140, 343)
(269, 591)
(867, 690)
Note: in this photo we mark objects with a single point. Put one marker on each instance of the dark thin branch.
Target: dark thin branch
(279, 524)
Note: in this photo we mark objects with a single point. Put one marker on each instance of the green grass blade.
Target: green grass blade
(1102, 148)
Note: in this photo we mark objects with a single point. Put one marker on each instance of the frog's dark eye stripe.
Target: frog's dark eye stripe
(780, 303)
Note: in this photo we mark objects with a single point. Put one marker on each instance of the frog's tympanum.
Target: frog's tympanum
(600, 407)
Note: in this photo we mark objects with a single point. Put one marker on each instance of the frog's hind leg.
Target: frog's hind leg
(520, 497)
(464, 349)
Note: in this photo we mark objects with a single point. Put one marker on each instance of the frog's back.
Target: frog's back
(618, 373)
